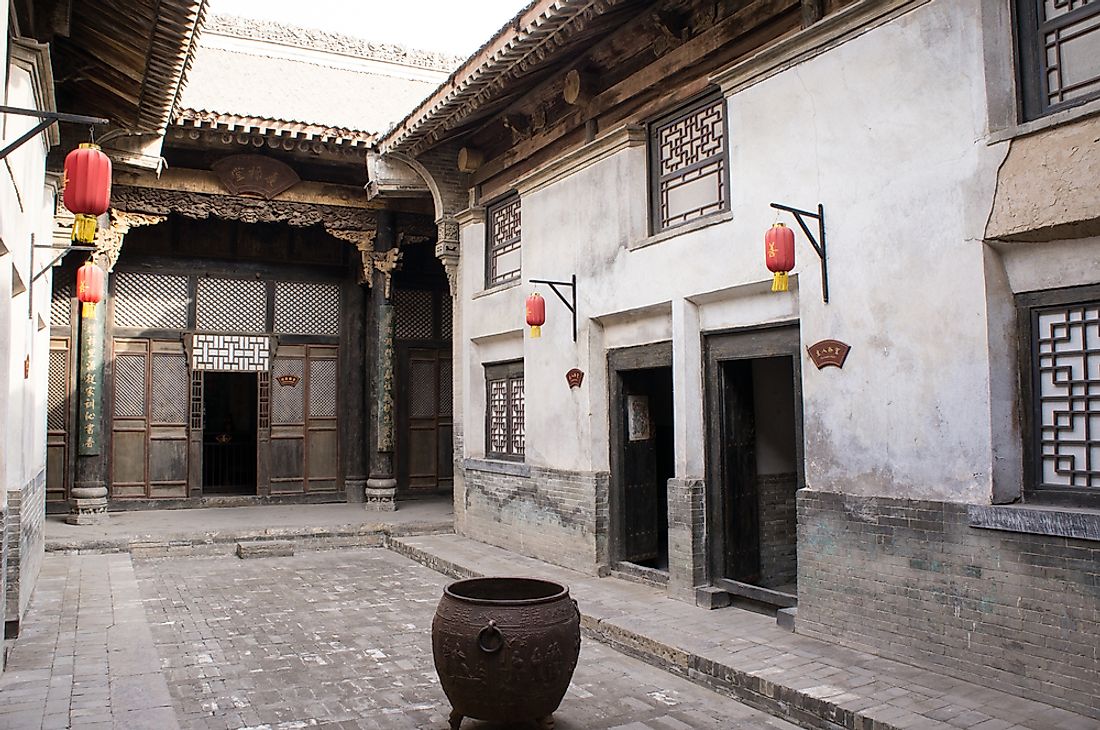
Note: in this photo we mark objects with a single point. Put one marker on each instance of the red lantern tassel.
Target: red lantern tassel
(84, 228)
(779, 281)
(87, 310)
(536, 331)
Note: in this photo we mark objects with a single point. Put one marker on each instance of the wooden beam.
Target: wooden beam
(812, 11)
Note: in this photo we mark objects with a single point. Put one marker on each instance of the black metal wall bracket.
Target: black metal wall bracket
(570, 305)
(63, 250)
(818, 243)
(47, 118)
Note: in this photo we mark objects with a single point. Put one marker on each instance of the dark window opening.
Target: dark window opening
(688, 167)
(502, 251)
(1058, 45)
(1060, 368)
(504, 437)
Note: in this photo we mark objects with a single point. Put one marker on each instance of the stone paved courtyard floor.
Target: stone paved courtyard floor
(337, 639)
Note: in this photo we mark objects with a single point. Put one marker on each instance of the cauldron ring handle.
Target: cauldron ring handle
(489, 639)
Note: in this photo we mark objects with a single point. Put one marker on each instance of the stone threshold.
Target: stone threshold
(744, 655)
(224, 542)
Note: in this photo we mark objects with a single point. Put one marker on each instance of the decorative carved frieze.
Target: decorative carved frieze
(157, 201)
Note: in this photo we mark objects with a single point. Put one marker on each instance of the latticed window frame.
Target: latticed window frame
(1030, 307)
(656, 181)
(510, 374)
(495, 246)
(1032, 68)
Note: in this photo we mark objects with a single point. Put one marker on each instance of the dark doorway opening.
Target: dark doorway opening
(229, 433)
(645, 464)
(755, 466)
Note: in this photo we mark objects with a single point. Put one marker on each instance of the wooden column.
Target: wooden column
(381, 488)
(88, 496)
(354, 431)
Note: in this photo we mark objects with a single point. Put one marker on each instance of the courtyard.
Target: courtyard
(327, 639)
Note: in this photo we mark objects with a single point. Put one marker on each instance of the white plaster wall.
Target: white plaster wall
(27, 206)
(886, 131)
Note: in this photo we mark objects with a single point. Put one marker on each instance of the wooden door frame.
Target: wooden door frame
(749, 343)
(620, 360)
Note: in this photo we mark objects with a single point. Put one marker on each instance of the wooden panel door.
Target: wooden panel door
(741, 520)
(641, 525)
(287, 450)
(149, 420)
(322, 434)
(59, 407)
(424, 442)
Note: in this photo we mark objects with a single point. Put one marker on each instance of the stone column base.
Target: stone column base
(87, 506)
(381, 495)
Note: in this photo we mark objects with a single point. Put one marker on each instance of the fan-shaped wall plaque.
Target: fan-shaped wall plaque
(255, 175)
(828, 352)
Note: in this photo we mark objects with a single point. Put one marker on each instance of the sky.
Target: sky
(457, 28)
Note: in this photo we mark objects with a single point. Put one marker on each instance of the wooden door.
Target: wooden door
(59, 407)
(742, 507)
(641, 523)
(149, 420)
(733, 511)
(303, 453)
(425, 424)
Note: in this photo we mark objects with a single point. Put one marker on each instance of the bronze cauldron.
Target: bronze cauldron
(505, 648)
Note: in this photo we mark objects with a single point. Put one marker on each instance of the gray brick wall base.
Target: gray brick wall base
(687, 560)
(553, 515)
(912, 580)
(26, 546)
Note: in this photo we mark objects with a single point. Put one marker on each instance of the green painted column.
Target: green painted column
(88, 496)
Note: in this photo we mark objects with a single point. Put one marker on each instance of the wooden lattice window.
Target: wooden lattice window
(688, 166)
(1059, 53)
(504, 438)
(1060, 344)
(502, 249)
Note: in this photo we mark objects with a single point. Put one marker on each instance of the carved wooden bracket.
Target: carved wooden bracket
(384, 262)
(109, 241)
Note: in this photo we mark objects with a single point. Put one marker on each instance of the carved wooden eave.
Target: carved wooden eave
(384, 262)
(200, 206)
(539, 31)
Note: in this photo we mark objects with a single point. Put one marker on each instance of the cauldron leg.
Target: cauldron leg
(456, 719)
(546, 723)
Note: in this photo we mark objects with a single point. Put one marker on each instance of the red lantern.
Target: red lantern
(536, 314)
(87, 189)
(779, 254)
(89, 288)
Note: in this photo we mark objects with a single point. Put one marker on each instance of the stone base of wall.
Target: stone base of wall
(26, 547)
(912, 580)
(556, 516)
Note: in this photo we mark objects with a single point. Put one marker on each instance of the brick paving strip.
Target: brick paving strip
(748, 656)
(85, 656)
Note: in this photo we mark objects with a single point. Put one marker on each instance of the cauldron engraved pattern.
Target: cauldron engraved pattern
(505, 648)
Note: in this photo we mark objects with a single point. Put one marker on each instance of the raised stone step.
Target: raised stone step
(265, 549)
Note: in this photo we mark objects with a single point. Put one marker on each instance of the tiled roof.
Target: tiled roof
(202, 119)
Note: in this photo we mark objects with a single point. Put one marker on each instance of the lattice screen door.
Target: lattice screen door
(149, 419)
(424, 387)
